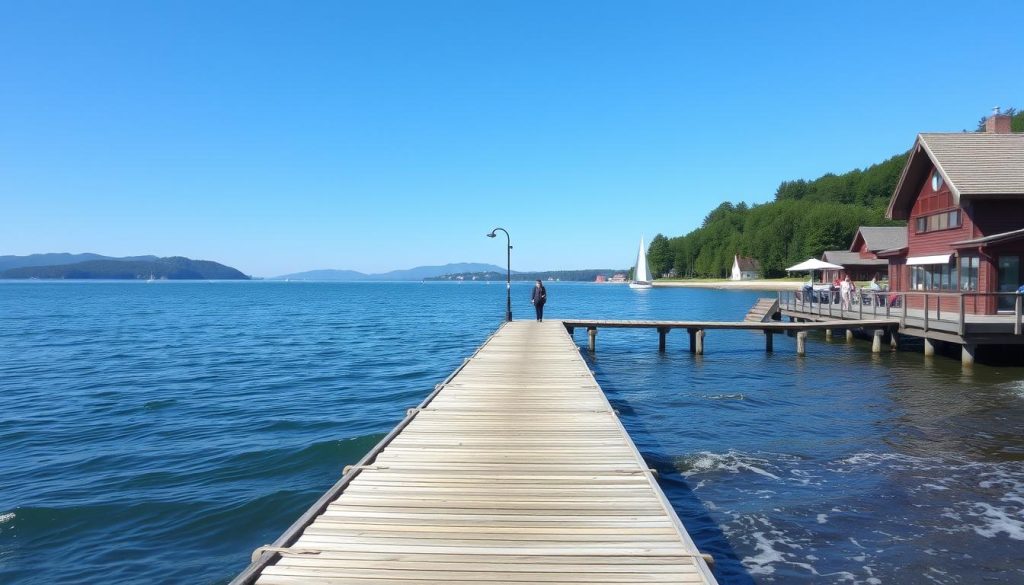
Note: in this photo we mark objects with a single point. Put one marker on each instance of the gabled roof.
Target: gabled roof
(972, 164)
(880, 238)
(845, 258)
(748, 264)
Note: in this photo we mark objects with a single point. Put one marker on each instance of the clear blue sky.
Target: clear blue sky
(287, 136)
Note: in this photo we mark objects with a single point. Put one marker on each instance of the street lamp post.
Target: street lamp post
(508, 272)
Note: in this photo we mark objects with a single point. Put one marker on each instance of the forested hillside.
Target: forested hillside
(173, 268)
(805, 219)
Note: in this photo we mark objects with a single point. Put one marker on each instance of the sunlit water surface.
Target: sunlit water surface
(159, 432)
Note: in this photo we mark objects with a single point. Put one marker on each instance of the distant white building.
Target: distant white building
(745, 268)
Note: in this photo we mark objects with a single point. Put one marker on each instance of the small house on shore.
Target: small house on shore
(962, 195)
(745, 269)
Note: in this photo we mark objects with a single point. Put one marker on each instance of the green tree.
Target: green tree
(659, 256)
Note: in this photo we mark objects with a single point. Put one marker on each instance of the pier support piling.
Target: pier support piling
(828, 335)
(929, 347)
(967, 354)
(592, 339)
(801, 343)
(768, 342)
(693, 339)
(662, 333)
(876, 340)
(849, 336)
(894, 340)
(699, 342)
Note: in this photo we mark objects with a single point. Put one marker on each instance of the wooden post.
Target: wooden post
(700, 342)
(876, 340)
(768, 343)
(693, 340)
(929, 347)
(894, 339)
(849, 335)
(967, 352)
(662, 332)
(963, 317)
(1017, 311)
(801, 343)
(592, 342)
(828, 335)
(925, 312)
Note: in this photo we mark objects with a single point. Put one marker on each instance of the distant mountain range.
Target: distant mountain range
(587, 275)
(411, 274)
(95, 266)
(8, 262)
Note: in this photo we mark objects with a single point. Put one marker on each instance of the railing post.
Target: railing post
(860, 306)
(963, 317)
(903, 314)
(1017, 310)
(925, 312)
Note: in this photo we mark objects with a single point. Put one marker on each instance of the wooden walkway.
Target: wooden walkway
(515, 470)
(764, 310)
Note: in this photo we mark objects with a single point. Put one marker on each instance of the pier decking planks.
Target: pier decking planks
(516, 471)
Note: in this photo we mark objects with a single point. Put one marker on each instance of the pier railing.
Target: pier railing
(948, 311)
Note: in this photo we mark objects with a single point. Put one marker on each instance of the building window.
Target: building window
(969, 273)
(938, 221)
(936, 180)
(940, 277)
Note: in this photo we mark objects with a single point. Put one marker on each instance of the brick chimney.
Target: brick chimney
(997, 123)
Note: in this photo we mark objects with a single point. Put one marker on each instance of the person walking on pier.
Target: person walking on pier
(538, 297)
(846, 292)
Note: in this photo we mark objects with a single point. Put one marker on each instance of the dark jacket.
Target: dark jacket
(539, 296)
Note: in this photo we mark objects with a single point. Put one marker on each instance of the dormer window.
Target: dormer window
(937, 182)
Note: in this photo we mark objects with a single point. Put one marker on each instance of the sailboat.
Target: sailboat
(641, 273)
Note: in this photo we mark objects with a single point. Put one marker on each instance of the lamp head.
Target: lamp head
(492, 234)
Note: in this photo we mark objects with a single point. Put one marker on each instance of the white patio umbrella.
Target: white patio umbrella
(812, 264)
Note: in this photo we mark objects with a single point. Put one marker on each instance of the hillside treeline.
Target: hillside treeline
(806, 218)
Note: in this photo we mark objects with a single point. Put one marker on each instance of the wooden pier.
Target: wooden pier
(514, 470)
(697, 330)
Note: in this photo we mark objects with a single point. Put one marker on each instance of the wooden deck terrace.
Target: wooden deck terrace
(697, 329)
(513, 470)
(931, 322)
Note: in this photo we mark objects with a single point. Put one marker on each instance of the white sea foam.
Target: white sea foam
(995, 521)
(5, 518)
(822, 518)
(761, 563)
(730, 461)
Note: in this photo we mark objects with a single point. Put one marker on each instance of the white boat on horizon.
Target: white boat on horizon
(641, 272)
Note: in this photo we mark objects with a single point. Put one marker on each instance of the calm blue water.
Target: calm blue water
(159, 432)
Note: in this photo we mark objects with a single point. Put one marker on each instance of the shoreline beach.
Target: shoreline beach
(770, 285)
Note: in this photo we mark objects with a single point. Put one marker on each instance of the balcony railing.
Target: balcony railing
(947, 311)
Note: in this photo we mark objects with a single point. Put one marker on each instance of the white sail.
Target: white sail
(641, 273)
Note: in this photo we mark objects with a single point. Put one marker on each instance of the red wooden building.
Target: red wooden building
(861, 261)
(962, 196)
